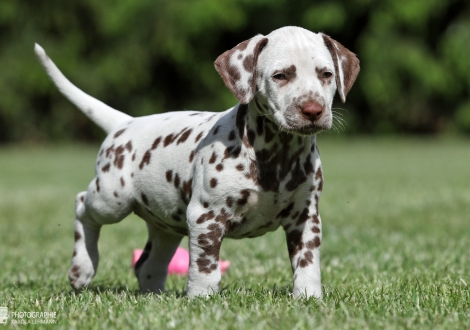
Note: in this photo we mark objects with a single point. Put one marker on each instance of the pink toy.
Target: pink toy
(180, 262)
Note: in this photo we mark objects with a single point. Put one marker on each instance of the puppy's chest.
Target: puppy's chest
(267, 214)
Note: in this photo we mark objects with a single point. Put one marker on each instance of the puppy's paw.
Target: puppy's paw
(80, 275)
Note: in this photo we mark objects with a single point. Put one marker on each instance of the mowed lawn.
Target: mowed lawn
(395, 250)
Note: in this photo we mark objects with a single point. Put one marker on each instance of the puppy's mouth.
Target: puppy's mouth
(303, 130)
(305, 127)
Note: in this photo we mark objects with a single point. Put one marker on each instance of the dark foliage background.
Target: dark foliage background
(145, 57)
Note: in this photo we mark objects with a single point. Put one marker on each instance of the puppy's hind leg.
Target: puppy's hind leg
(93, 209)
(85, 254)
(152, 267)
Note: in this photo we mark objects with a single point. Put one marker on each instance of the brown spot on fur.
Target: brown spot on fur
(231, 136)
(223, 217)
(249, 63)
(253, 174)
(232, 151)
(145, 159)
(191, 156)
(213, 182)
(156, 142)
(169, 175)
(245, 195)
(314, 244)
(106, 167)
(213, 158)
(168, 140)
(229, 201)
(77, 236)
(240, 167)
(129, 146)
(290, 72)
(302, 217)
(123, 183)
(97, 182)
(118, 133)
(186, 191)
(294, 242)
(177, 180)
(318, 174)
(216, 130)
(109, 151)
(115, 194)
(198, 137)
(119, 157)
(204, 265)
(206, 205)
(184, 136)
(315, 219)
(307, 260)
(75, 271)
(205, 217)
(298, 177)
(219, 167)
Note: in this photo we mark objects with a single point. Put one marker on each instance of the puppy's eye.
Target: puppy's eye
(327, 74)
(280, 76)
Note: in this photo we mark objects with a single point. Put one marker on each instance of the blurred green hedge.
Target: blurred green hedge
(145, 57)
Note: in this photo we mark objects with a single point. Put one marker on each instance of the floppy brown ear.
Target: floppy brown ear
(346, 65)
(237, 67)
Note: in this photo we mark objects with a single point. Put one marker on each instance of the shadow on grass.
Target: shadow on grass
(239, 287)
(122, 289)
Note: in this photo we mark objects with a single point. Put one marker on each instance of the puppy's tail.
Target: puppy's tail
(103, 115)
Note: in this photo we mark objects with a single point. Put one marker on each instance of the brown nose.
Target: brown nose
(312, 110)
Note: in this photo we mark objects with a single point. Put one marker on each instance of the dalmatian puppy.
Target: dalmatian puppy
(238, 173)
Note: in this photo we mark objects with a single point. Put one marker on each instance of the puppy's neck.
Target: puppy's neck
(273, 153)
(258, 132)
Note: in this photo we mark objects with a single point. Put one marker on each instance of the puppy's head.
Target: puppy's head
(292, 75)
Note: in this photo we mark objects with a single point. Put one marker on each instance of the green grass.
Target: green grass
(395, 252)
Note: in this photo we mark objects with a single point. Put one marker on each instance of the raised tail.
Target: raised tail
(103, 115)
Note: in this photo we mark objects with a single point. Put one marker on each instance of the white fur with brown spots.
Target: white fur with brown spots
(238, 173)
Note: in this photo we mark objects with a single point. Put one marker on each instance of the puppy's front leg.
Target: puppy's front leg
(303, 243)
(206, 232)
